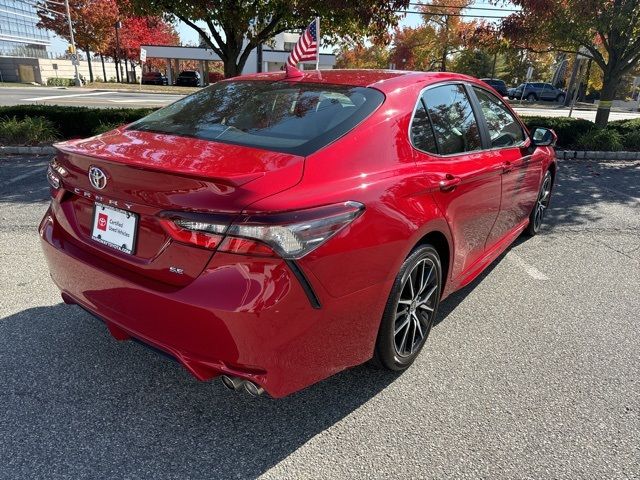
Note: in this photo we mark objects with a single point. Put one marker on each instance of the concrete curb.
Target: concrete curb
(14, 150)
(596, 155)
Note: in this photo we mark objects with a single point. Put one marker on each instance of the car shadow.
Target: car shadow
(77, 401)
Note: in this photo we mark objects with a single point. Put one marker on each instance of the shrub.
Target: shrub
(105, 127)
(567, 129)
(601, 139)
(76, 122)
(60, 82)
(624, 127)
(26, 131)
(631, 140)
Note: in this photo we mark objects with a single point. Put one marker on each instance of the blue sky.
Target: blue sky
(188, 35)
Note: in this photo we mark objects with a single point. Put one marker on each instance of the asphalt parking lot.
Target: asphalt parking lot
(532, 372)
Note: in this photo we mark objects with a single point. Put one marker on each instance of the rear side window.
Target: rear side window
(297, 118)
(504, 129)
(421, 131)
(454, 123)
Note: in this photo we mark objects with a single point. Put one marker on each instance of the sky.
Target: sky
(189, 36)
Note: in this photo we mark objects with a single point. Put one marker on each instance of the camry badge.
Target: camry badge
(97, 178)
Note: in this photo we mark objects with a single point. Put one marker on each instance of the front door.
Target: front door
(521, 171)
(450, 145)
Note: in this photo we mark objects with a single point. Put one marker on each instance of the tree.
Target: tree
(609, 33)
(92, 20)
(137, 31)
(475, 62)
(234, 28)
(360, 56)
(416, 48)
(451, 30)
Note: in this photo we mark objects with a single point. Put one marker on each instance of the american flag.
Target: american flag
(307, 46)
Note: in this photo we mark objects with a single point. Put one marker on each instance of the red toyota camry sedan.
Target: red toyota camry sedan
(275, 230)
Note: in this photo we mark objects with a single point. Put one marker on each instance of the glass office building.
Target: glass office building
(19, 35)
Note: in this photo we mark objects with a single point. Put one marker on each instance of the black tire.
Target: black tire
(540, 207)
(560, 98)
(419, 314)
(531, 97)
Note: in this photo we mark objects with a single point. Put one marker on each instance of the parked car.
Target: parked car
(188, 78)
(537, 91)
(498, 85)
(154, 78)
(278, 230)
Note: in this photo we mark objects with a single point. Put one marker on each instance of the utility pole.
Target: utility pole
(73, 44)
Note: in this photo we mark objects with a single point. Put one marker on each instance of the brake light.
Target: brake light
(181, 232)
(291, 235)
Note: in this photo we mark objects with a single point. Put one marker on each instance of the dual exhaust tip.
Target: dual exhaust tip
(237, 383)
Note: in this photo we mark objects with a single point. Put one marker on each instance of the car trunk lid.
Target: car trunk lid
(149, 173)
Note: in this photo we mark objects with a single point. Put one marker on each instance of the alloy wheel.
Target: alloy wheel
(542, 203)
(416, 307)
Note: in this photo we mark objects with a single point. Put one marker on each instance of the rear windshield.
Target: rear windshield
(297, 118)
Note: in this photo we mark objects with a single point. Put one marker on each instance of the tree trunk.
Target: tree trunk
(607, 94)
(104, 70)
(445, 48)
(89, 63)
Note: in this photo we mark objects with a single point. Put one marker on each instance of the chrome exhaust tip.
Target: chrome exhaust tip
(232, 383)
(253, 389)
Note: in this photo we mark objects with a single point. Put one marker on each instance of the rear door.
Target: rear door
(521, 171)
(450, 150)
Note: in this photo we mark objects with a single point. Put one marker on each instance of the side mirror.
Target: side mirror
(544, 137)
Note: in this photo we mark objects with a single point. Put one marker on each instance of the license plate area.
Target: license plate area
(114, 228)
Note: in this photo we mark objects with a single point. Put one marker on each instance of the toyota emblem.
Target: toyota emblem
(97, 178)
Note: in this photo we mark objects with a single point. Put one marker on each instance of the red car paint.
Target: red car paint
(249, 314)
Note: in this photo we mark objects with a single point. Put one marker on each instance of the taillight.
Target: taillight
(290, 235)
(55, 173)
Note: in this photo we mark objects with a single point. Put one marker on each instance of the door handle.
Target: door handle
(449, 183)
(507, 167)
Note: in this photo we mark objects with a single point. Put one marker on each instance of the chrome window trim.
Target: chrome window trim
(527, 137)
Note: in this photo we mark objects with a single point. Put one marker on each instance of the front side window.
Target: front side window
(454, 123)
(296, 118)
(504, 129)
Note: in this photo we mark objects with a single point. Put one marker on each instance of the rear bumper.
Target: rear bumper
(242, 316)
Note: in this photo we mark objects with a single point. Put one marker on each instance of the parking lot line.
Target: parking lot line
(54, 97)
(527, 267)
(17, 178)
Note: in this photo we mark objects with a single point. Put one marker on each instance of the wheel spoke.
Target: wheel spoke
(401, 313)
(413, 338)
(428, 296)
(417, 320)
(426, 307)
(411, 285)
(404, 340)
(401, 327)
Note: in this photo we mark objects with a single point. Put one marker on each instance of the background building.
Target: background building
(19, 35)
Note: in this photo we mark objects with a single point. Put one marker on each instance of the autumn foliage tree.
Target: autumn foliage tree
(92, 20)
(234, 28)
(137, 31)
(361, 56)
(442, 34)
(608, 31)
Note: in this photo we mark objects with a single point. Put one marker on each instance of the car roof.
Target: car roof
(384, 80)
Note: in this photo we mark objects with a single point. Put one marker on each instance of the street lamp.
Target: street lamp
(118, 26)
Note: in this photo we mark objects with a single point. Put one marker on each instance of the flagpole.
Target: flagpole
(318, 43)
